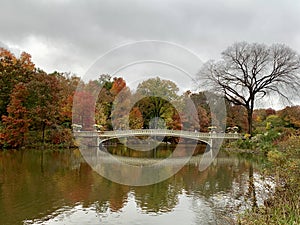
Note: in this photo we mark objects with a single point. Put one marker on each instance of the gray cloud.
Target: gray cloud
(69, 35)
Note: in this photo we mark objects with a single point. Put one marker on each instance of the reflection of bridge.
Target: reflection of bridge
(207, 138)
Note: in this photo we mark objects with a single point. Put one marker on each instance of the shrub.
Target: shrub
(284, 206)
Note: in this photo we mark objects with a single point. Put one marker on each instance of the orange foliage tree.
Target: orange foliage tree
(136, 120)
(16, 123)
(291, 116)
(13, 70)
(44, 95)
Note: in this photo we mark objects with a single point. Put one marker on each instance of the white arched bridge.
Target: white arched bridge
(207, 138)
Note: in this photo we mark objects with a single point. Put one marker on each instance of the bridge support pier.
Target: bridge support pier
(87, 138)
(98, 141)
(211, 147)
(89, 141)
(215, 145)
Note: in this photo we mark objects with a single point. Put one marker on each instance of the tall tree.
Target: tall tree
(190, 116)
(68, 86)
(43, 101)
(104, 102)
(121, 107)
(16, 123)
(83, 109)
(203, 109)
(203, 119)
(157, 102)
(12, 71)
(158, 87)
(248, 72)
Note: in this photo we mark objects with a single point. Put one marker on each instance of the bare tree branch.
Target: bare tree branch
(249, 72)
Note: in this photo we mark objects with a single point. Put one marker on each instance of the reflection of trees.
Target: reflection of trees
(76, 188)
(107, 194)
(66, 180)
(162, 150)
(28, 190)
(215, 191)
(251, 189)
(218, 177)
(160, 197)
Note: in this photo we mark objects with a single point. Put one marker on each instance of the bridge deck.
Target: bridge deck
(157, 132)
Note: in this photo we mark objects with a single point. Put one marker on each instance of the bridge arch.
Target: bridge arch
(102, 140)
(207, 138)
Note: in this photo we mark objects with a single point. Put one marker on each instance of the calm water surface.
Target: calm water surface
(59, 187)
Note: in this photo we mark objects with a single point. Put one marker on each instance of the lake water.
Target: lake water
(59, 187)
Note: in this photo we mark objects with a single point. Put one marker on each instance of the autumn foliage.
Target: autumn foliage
(37, 107)
(33, 103)
(17, 122)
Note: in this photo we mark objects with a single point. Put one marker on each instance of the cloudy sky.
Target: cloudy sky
(69, 36)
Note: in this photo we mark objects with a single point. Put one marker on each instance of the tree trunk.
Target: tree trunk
(249, 119)
(43, 130)
(252, 191)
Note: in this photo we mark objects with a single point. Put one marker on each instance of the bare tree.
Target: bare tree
(248, 72)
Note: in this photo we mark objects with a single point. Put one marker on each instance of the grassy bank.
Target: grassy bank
(284, 206)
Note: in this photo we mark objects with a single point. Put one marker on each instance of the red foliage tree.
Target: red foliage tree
(175, 123)
(84, 109)
(270, 111)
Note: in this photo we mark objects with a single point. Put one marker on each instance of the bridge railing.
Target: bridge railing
(146, 132)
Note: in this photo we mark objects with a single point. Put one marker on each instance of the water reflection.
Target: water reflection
(59, 187)
(161, 151)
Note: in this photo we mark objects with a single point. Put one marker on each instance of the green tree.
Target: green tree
(274, 121)
(157, 102)
(104, 102)
(158, 87)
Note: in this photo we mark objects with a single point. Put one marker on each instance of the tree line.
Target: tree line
(36, 107)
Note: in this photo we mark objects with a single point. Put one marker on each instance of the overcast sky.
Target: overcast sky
(69, 36)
